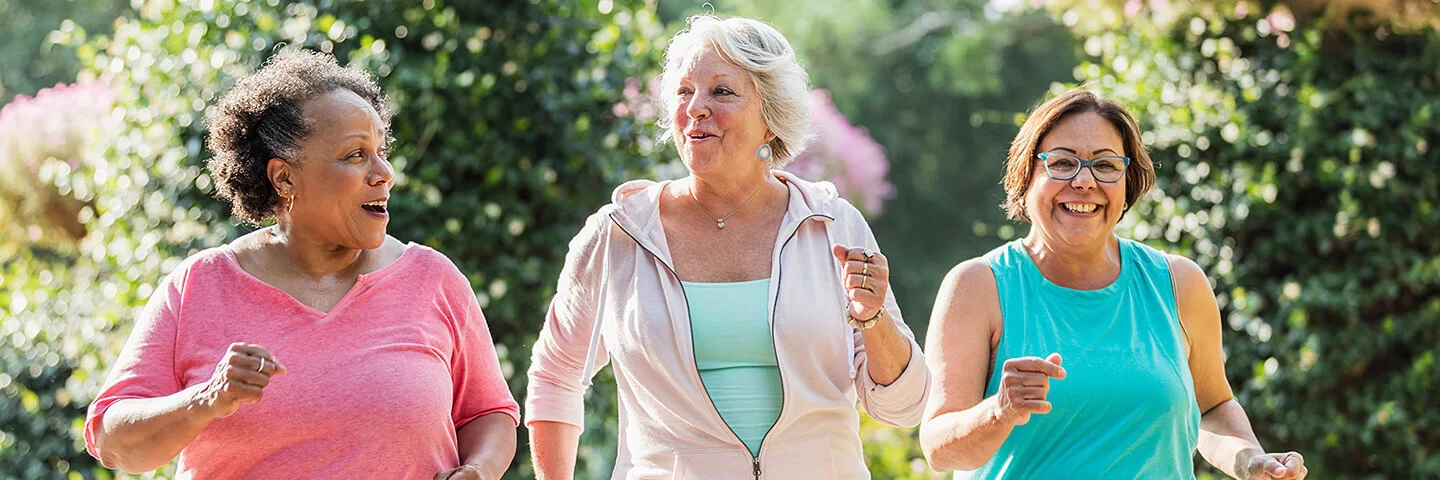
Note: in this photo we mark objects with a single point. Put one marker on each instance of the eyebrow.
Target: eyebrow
(1097, 152)
(714, 77)
(360, 135)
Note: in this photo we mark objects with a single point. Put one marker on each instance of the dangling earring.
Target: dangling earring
(291, 204)
(763, 153)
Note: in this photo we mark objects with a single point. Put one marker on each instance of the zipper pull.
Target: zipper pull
(756, 461)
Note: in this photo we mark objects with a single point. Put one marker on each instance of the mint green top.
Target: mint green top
(1126, 408)
(735, 353)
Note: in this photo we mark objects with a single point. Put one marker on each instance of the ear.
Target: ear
(281, 175)
(769, 136)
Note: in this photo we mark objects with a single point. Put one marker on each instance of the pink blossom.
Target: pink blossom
(845, 155)
(639, 100)
(52, 122)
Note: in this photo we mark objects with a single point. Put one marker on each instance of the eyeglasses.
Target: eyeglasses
(1064, 166)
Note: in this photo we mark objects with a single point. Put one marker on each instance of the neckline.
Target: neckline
(364, 279)
(1105, 291)
(747, 283)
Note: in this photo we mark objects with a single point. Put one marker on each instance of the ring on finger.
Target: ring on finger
(865, 270)
(863, 279)
(262, 365)
(868, 253)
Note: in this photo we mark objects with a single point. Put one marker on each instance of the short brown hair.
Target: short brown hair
(1020, 165)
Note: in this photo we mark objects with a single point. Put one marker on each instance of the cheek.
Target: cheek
(1038, 197)
(1116, 194)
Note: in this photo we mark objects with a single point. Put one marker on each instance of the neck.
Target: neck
(313, 258)
(1083, 267)
(724, 194)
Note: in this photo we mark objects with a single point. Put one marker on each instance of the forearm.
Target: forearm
(553, 446)
(141, 435)
(966, 439)
(488, 443)
(1226, 439)
(887, 351)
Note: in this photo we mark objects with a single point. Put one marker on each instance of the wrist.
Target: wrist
(198, 403)
(866, 322)
(1245, 462)
(993, 411)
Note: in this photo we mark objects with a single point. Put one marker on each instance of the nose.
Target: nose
(381, 172)
(697, 107)
(1084, 179)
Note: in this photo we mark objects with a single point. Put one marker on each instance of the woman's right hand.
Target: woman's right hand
(1024, 383)
(240, 378)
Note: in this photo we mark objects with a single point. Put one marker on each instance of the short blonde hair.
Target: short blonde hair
(1020, 166)
(767, 56)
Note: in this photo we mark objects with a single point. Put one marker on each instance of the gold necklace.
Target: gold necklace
(720, 221)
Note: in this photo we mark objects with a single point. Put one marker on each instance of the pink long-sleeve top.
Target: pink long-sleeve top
(376, 388)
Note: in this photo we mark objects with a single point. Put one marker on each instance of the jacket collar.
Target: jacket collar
(635, 207)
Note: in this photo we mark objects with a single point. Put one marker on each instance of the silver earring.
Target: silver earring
(763, 153)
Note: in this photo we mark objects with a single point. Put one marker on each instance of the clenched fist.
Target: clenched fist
(1024, 383)
(240, 379)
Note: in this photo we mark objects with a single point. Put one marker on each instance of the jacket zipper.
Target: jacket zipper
(780, 372)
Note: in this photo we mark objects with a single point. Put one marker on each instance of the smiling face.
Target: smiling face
(717, 115)
(343, 181)
(1079, 211)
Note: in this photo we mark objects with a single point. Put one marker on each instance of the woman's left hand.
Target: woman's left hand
(866, 279)
(463, 472)
(1276, 466)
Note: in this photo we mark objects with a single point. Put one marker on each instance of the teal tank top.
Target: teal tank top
(1126, 408)
(735, 353)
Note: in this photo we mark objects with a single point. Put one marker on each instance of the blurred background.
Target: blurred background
(1294, 140)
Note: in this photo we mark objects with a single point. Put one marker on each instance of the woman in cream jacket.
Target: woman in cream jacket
(740, 342)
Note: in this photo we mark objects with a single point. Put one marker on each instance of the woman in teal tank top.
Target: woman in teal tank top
(1073, 353)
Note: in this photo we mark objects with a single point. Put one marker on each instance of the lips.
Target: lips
(376, 207)
(696, 135)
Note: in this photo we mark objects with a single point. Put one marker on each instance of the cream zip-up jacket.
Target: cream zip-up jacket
(620, 302)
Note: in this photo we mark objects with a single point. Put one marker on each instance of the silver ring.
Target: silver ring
(868, 253)
(262, 365)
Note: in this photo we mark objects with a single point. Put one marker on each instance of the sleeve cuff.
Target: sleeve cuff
(551, 403)
(901, 402)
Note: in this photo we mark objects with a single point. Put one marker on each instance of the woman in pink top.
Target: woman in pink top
(320, 347)
(802, 285)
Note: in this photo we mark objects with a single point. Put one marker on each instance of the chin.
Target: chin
(372, 242)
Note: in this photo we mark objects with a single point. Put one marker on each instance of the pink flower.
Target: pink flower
(846, 156)
(54, 120)
(639, 100)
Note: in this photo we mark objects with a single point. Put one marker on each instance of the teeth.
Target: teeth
(375, 204)
(1080, 207)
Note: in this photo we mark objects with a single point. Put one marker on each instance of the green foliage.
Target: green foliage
(894, 454)
(1299, 173)
(33, 57)
(505, 141)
